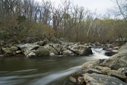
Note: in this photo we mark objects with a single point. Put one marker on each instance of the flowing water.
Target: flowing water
(42, 71)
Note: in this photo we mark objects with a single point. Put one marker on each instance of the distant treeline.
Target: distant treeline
(28, 18)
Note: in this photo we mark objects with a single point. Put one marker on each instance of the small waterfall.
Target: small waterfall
(98, 53)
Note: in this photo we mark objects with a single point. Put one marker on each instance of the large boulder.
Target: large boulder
(99, 79)
(28, 49)
(14, 48)
(7, 50)
(123, 48)
(42, 52)
(80, 49)
(33, 50)
(120, 73)
(57, 47)
(51, 49)
(87, 51)
(68, 52)
(116, 61)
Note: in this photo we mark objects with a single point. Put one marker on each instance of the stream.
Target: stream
(43, 71)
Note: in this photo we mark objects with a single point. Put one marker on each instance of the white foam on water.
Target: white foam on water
(98, 53)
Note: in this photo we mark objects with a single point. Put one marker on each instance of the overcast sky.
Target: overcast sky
(100, 6)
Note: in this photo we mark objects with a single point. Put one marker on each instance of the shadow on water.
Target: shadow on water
(42, 71)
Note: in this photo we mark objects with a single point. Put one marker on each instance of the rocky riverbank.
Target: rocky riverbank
(45, 48)
(112, 71)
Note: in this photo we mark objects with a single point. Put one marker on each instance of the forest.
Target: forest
(20, 19)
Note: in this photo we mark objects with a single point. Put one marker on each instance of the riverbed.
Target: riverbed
(43, 71)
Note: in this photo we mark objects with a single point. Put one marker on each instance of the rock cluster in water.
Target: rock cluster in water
(112, 71)
(110, 49)
(46, 48)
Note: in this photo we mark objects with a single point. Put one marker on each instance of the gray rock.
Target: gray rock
(110, 53)
(31, 54)
(87, 51)
(42, 52)
(116, 61)
(14, 48)
(28, 46)
(7, 50)
(123, 48)
(81, 80)
(50, 49)
(115, 51)
(99, 79)
(92, 64)
(80, 49)
(27, 49)
(72, 79)
(93, 70)
(116, 48)
(58, 47)
(68, 52)
(120, 73)
(42, 43)
(106, 71)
